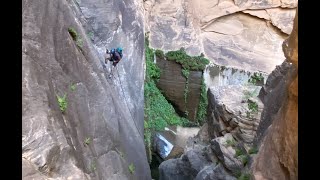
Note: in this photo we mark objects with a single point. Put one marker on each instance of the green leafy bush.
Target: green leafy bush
(131, 168)
(73, 87)
(87, 141)
(253, 106)
(62, 102)
(73, 33)
(196, 63)
(239, 152)
(253, 150)
(203, 104)
(159, 53)
(255, 78)
(244, 176)
(230, 142)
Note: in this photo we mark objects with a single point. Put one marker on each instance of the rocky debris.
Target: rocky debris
(176, 152)
(223, 158)
(170, 143)
(198, 158)
(100, 132)
(234, 109)
(227, 154)
(240, 34)
(163, 144)
(195, 158)
(214, 173)
(278, 154)
(203, 134)
(176, 169)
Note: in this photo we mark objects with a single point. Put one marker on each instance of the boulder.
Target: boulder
(212, 172)
(230, 111)
(226, 154)
(176, 169)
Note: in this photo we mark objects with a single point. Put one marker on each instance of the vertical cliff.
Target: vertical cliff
(76, 123)
(278, 154)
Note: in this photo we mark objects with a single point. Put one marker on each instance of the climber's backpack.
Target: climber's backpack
(119, 50)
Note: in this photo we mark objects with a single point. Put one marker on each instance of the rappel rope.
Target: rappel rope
(126, 101)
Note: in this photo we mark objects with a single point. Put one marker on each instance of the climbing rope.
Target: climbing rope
(126, 102)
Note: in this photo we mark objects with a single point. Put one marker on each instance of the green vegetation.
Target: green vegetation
(231, 142)
(253, 106)
(159, 113)
(203, 104)
(87, 141)
(79, 42)
(93, 166)
(90, 34)
(121, 154)
(239, 152)
(73, 87)
(158, 110)
(185, 73)
(131, 168)
(244, 159)
(187, 123)
(159, 53)
(196, 63)
(253, 150)
(255, 78)
(244, 176)
(62, 103)
(153, 71)
(73, 33)
(75, 37)
(186, 91)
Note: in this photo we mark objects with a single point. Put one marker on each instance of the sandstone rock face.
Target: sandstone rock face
(282, 18)
(272, 95)
(228, 111)
(222, 76)
(278, 154)
(101, 131)
(173, 84)
(245, 34)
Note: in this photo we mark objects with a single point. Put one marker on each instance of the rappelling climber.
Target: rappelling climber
(115, 55)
